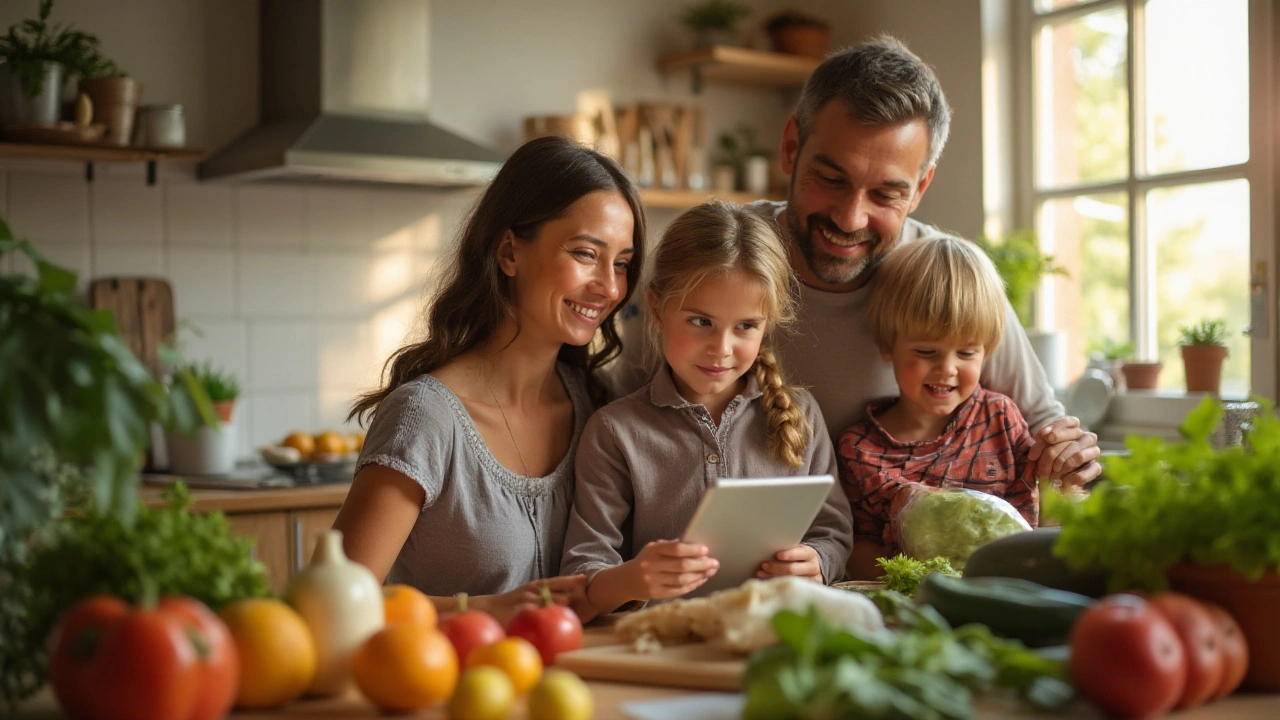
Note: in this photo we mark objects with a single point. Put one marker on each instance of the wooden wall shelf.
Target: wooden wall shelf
(743, 66)
(656, 199)
(90, 154)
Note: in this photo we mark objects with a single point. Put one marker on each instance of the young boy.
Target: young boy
(937, 313)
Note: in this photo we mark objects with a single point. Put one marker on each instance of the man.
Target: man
(861, 150)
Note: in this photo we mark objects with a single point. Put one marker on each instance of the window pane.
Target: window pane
(1088, 237)
(1200, 238)
(1197, 60)
(1082, 100)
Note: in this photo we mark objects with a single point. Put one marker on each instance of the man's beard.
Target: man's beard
(829, 269)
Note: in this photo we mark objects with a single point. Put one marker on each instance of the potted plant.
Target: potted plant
(1193, 517)
(1204, 349)
(115, 97)
(1109, 356)
(713, 22)
(1022, 265)
(1141, 374)
(750, 161)
(209, 450)
(36, 58)
(797, 33)
(77, 412)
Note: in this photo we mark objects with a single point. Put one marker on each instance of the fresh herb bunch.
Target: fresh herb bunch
(714, 15)
(1021, 263)
(1205, 332)
(28, 45)
(1171, 502)
(924, 671)
(181, 552)
(904, 574)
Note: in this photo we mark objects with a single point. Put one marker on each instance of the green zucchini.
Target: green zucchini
(1029, 556)
(1012, 608)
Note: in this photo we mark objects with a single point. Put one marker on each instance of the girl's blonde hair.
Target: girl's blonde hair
(711, 240)
(940, 288)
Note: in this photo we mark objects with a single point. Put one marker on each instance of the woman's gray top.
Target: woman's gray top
(483, 529)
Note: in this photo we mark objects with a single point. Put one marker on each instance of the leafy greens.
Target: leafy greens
(904, 574)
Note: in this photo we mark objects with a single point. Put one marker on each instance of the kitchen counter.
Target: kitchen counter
(610, 698)
(256, 499)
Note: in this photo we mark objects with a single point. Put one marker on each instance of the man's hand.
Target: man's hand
(800, 560)
(1063, 450)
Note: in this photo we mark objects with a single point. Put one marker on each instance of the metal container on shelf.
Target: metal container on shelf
(161, 126)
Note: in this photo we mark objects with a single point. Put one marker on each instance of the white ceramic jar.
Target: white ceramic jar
(162, 126)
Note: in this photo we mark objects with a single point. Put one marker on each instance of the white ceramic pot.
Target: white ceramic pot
(210, 451)
(1050, 348)
(755, 175)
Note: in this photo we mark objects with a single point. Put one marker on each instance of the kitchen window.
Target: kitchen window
(1137, 118)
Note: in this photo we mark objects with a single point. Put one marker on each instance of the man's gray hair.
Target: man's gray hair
(882, 83)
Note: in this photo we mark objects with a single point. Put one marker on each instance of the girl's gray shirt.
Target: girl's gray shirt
(645, 461)
(483, 529)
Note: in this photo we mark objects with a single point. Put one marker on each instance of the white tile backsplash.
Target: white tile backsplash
(282, 355)
(48, 208)
(301, 292)
(127, 212)
(275, 414)
(198, 214)
(344, 354)
(342, 284)
(271, 218)
(338, 218)
(113, 260)
(275, 284)
(204, 281)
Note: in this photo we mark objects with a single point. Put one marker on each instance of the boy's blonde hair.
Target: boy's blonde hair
(940, 288)
(714, 239)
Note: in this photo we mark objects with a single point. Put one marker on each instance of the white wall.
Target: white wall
(304, 291)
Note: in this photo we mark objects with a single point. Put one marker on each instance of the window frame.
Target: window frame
(1259, 170)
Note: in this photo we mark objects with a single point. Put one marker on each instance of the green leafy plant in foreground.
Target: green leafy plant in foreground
(1171, 502)
(176, 550)
(904, 574)
(926, 670)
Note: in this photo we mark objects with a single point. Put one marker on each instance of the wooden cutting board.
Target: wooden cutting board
(696, 665)
(144, 313)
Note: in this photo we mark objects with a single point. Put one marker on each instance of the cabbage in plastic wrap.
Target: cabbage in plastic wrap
(953, 522)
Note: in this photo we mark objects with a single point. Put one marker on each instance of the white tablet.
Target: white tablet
(744, 522)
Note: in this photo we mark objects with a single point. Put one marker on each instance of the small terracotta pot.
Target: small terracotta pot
(115, 100)
(806, 40)
(1141, 376)
(1253, 603)
(1203, 366)
(224, 410)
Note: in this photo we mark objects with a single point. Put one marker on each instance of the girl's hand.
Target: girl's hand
(801, 561)
(568, 590)
(670, 568)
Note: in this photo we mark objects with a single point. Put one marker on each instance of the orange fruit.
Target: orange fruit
(331, 442)
(302, 442)
(405, 666)
(276, 649)
(405, 603)
(515, 656)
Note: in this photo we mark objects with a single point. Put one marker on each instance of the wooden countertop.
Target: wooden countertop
(257, 499)
(611, 696)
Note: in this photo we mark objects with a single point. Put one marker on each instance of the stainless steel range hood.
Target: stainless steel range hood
(344, 94)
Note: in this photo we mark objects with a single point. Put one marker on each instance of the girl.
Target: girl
(937, 314)
(466, 476)
(718, 407)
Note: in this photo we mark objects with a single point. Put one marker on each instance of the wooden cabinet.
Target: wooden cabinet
(283, 523)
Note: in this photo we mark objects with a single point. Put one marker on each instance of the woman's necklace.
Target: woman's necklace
(488, 378)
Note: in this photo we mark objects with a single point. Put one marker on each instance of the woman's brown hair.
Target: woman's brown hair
(537, 184)
(717, 238)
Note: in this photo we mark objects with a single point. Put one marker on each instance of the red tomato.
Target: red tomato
(1126, 658)
(1235, 651)
(470, 629)
(551, 628)
(217, 657)
(113, 662)
(1200, 638)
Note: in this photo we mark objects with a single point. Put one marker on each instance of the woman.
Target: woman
(465, 479)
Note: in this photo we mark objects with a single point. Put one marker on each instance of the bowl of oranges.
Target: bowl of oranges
(321, 457)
